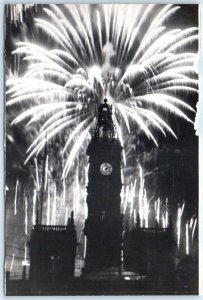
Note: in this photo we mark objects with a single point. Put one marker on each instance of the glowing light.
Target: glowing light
(12, 262)
(34, 207)
(85, 246)
(122, 188)
(53, 219)
(131, 197)
(64, 191)
(25, 261)
(76, 193)
(16, 11)
(127, 191)
(194, 227)
(141, 192)
(66, 216)
(134, 217)
(187, 238)
(165, 216)
(146, 209)
(46, 171)
(16, 197)
(79, 73)
(48, 207)
(157, 210)
(37, 174)
(26, 221)
(178, 223)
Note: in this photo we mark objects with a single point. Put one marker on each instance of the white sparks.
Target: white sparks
(26, 220)
(12, 262)
(85, 247)
(187, 250)
(16, 197)
(37, 174)
(48, 207)
(193, 229)
(66, 217)
(34, 207)
(53, 219)
(178, 223)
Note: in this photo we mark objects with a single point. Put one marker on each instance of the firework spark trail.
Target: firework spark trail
(48, 207)
(25, 252)
(134, 217)
(191, 222)
(165, 215)
(26, 220)
(60, 210)
(187, 250)
(140, 199)
(131, 197)
(75, 150)
(64, 191)
(74, 199)
(178, 223)
(193, 229)
(37, 174)
(53, 218)
(66, 216)
(66, 73)
(16, 197)
(146, 209)
(121, 140)
(46, 172)
(12, 262)
(16, 12)
(122, 188)
(85, 246)
(157, 210)
(127, 192)
(34, 207)
(77, 193)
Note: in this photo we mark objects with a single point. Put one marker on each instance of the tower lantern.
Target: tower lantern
(105, 126)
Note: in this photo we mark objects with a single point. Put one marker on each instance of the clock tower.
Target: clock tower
(103, 226)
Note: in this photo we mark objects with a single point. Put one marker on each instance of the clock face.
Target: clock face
(106, 169)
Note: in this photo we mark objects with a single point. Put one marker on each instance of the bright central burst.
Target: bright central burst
(124, 53)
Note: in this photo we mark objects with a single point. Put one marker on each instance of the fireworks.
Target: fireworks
(179, 215)
(16, 12)
(187, 238)
(26, 220)
(12, 262)
(130, 56)
(140, 74)
(34, 207)
(16, 197)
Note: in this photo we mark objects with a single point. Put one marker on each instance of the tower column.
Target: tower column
(103, 227)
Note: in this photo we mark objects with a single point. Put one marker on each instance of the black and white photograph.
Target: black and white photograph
(101, 149)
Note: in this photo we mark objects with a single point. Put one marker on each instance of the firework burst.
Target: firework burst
(125, 54)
